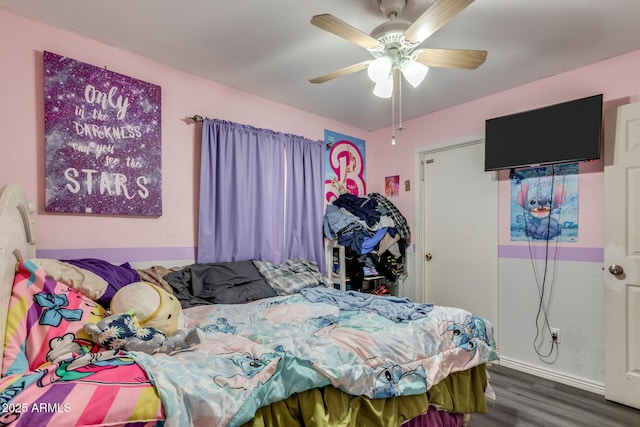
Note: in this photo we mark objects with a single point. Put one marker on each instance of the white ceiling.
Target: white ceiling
(269, 48)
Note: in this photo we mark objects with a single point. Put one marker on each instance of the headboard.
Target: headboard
(17, 241)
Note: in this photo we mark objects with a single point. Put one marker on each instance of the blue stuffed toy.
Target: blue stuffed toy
(123, 332)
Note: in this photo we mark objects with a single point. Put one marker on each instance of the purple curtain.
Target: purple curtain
(304, 204)
(260, 195)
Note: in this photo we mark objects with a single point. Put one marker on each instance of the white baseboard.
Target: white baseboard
(550, 374)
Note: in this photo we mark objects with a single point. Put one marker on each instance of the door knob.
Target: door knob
(428, 256)
(616, 269)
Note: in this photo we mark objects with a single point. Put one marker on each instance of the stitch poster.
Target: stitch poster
(544, 204)
(102, 141)
(345, 166)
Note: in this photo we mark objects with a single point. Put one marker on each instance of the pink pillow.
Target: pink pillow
(44, 322)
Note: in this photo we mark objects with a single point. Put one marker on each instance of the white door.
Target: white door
(622, 255)
(460, 227)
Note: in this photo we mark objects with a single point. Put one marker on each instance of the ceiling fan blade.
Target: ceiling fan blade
(342, 72)
(434, 18)
(341, 29)
(451, 58)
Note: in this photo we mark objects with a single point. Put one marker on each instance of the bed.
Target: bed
(315, 357)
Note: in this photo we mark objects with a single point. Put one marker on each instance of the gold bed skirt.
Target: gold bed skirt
(461, 392)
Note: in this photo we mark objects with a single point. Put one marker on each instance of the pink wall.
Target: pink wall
(575, 278)
(22, 143)
(616, 78)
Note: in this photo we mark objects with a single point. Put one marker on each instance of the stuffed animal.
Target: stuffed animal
(152, 306)
(146, 318)
(122, 331)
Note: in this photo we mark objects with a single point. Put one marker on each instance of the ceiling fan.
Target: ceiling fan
(394, 45)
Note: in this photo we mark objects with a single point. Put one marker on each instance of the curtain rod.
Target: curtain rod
(197, 118)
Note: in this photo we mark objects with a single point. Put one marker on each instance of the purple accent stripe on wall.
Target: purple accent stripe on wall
(561, 253)
(121, 254)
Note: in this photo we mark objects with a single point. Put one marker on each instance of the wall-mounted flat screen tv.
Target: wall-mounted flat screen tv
(561, 133)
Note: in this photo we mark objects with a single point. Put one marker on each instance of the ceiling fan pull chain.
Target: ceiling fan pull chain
(393, 116)
(400, 102)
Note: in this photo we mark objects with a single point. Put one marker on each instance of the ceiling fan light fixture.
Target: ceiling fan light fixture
(384, 88)
(379, 68)
(414, 72)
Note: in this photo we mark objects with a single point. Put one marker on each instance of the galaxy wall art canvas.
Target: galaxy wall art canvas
(102, 141)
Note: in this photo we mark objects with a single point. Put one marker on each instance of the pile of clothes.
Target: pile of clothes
(373, 232)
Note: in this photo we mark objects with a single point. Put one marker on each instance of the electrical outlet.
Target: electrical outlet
(555, 335)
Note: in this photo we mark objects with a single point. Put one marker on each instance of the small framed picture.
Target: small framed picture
(392, 186)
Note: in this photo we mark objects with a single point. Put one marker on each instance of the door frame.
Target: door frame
(418, 235)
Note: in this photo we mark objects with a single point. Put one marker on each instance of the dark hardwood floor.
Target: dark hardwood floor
(524, 400)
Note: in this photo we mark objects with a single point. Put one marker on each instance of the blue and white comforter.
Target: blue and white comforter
(265, 351)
